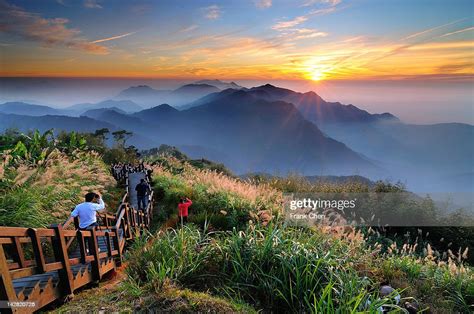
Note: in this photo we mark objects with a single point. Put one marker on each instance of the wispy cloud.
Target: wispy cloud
(305, 33)
(459, 31)
(189, 28)
(212, 12)
(429, 30)
(263, 4)
(322, 11)
(92, 4)
(308, 3)
(291, 23)
(331, 6)
(112, 38)
(61, 2)
(49, 32)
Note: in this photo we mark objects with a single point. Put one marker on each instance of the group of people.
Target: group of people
(93, 202)
(121, 168)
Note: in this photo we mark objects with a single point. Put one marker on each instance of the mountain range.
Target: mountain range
(272, 130)
(149, 97)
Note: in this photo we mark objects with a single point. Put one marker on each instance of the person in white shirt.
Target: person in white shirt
(87, 211)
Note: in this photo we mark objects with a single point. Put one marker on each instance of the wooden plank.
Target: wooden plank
(13, 232)
(45, 232)
(23, 272)
(53, 266)
(6, 241)
(13, 265)
(25, 240)
(69, 233)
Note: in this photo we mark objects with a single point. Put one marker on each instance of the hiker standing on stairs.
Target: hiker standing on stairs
(143, 190)
(87, 211)
(183, 209)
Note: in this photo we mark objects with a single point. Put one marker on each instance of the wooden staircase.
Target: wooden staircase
(41, 265)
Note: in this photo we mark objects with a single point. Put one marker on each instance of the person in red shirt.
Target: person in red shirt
(183, 209)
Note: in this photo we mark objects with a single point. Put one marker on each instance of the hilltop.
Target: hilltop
(236, 250)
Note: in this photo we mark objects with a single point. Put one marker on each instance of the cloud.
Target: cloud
(111, 38)
(459, 31)
(306, 33)
(291, 23)
(263, 4)
(323, 11)
(309, 3)
(429, 30)
(49, 32)
(61, 2)
(189, 28)
(92, 4)
(303, 18)
(212, 12)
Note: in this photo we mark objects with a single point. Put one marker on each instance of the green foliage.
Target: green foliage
(162, 156)
(22, 207)
(272, 268)
(34, 148)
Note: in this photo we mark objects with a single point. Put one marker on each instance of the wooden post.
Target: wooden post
(19, 252)
(94, 247)
(66, 277)
(116, 240)
(37, 249)
(7, 293)
(126, 223)
(82, 246)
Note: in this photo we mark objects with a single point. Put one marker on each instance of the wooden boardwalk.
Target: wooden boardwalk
(41, 265)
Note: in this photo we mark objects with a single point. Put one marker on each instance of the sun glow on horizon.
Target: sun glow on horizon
(317, 75)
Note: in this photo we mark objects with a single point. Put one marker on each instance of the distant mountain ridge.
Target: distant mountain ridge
(21, 108)
(220, 84)
(124, 105)
(310, 104)
(150, 97)
(256, 134)
(276, 130)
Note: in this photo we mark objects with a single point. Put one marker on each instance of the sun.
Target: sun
(317, 75)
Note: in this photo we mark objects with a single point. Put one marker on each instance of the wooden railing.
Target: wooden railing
(41, 265)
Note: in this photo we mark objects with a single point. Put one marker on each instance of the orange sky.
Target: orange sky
(306, 44)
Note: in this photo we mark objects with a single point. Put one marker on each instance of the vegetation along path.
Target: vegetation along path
(41, 265)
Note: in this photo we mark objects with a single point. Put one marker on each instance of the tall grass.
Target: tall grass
(36, 196)
(283, 268)
(273, 268)
(223, 201)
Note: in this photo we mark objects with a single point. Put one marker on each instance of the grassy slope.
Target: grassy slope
(268, 267)
(39, 196)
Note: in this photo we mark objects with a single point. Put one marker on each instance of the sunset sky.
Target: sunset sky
(245, 39)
